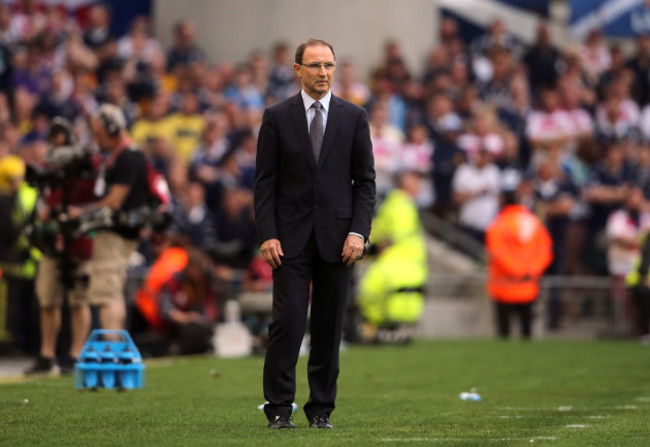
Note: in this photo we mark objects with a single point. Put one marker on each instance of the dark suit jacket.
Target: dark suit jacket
(294, 194)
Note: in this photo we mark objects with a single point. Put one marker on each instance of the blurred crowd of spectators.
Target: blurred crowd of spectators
(574, 122)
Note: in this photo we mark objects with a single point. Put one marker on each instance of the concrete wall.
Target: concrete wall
(358, 29)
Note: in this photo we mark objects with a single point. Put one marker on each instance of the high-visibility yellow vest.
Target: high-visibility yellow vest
(24, 207)
(391, 291)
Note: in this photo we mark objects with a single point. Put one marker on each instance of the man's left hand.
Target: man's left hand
(352, 249)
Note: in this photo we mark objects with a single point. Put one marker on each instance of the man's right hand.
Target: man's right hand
(272, 250)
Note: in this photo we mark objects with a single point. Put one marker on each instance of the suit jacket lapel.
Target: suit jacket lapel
(333, 123)
(300, 122)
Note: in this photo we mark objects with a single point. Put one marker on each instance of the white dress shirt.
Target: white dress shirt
(310, 111)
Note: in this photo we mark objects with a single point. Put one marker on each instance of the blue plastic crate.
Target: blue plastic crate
(109, 364)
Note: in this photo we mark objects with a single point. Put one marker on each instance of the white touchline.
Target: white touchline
(577, 426)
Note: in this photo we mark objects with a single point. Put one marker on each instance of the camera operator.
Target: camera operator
(121, 186)
(67, 178)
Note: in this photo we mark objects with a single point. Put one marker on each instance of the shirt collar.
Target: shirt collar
(308, 100)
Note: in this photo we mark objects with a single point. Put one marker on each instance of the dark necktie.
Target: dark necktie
(316, 130)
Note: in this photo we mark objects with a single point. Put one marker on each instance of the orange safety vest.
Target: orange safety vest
(170, 262)
(519, 251)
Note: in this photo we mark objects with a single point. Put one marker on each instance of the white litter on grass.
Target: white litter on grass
(577, 426)
(565, 408)
(25, 401)
(626, 407)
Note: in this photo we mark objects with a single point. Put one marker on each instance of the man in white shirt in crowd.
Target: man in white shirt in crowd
(476, 192)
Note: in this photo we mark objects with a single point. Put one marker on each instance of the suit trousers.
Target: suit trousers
(525, 311)
(291, 286)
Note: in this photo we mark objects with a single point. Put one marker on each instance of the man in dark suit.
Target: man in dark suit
(314, 200)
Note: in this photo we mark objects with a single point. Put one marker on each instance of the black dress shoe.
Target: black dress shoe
(320, 422)
(281, 422)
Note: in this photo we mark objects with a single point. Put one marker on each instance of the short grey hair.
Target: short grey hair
(110, 116)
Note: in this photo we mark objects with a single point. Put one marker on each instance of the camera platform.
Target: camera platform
(113, 363)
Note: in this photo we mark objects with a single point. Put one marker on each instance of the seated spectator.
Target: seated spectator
(152, 125)
(613, 122)
(605, 192)
(581, 123)
(138, 47)
(416, 156)
(476, 192)
(192, 217)
(625, 226)
(482, 134)
(29, 71)
(28, 20)
(9, 35)
(245, 154)
(58, 100)
(82, 93)
(98, 30)
(496, 89)
(348, 87)
(555, 198)
(497, 36)
(185, 51)
(189, 307)
(541, 60)
(594, 56)
(617, 116)
(548, 126)
(447, 157)
(207, 158)
(186, 127)
(281, 82)
(243, 92)
(114, 92)
(236, 239)
(386, 143)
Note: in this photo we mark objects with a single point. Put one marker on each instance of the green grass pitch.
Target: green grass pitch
(547, 393)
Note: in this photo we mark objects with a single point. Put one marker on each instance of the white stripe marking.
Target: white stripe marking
(602, 16)
(577, 426)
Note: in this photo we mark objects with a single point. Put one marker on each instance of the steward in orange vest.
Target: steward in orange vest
(519, 251)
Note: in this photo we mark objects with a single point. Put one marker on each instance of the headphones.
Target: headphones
(110, 126)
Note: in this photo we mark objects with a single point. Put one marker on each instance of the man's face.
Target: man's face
(101, 137)
(316, 82)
